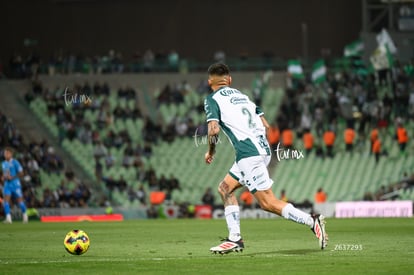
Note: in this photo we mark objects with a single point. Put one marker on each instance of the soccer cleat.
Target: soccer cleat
(8, 219)
(228, 246)
(319, 230)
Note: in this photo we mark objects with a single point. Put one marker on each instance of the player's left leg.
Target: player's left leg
(23, 208)
(234, 242)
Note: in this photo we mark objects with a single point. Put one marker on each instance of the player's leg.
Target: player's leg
(231, 206)
(17, 192)
(259, 183)
(226, 189)
(23, 208)
(6, 204)
(270, 203)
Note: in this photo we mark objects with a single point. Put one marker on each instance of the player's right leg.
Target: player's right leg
(318, 229)
(259, 184)
(6, 206)
(234, 242)
(270, 203)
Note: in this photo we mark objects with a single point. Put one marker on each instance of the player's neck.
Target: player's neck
(215, 88)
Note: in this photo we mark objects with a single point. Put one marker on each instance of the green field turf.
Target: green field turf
(384, 246)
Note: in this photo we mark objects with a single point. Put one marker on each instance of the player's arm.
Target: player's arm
(260, 113)
(212, 137)
(265, 123)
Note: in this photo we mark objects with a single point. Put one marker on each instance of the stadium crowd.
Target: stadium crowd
(34, 157)
(347, 104)
(348, 108)
(24, 66)
(73, 125)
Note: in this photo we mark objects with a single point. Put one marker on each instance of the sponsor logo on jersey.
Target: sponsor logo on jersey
(238, 100)
(228, 92)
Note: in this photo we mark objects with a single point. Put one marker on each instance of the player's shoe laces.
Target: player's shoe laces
(319, 230)
(228, 246)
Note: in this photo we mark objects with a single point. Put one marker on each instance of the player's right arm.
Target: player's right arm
(213, 130)
(212, 113)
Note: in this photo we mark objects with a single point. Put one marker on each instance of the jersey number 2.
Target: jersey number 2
(246, 112)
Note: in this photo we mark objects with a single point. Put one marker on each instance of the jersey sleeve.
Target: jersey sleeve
(212, 109)
(259, 111)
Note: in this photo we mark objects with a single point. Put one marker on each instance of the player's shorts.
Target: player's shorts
(12, 190)
(252, 172)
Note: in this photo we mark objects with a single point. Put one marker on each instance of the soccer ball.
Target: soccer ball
(76, 242)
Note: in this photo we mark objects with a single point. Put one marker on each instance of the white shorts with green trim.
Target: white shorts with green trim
(252, 172)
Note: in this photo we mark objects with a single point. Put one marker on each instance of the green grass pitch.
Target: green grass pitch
(276, 246)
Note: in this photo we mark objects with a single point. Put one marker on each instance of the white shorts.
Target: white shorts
(252, 172)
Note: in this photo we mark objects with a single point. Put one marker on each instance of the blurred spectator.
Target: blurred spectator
(273, 135)
(329, 140)
(173, 60)
(308, 141)
(98, 169)
(349, 136)
(142, 195)
(246, 198)
(402, 137)
(373, 136)
(283, 196)
(181, 127)
(208, 197)
(152, 212)
(376, 149)
(320, 196)
(287, 138)
(163, 183)
(99, 150)
(220, 56)
(173, 182)
(148, 60)
(109, 160)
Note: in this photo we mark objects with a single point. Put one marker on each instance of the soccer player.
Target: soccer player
(245, 126)
(12, 170)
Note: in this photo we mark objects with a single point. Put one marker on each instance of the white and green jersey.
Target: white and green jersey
(239, 118)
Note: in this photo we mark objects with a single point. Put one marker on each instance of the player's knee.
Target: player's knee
(223, 189)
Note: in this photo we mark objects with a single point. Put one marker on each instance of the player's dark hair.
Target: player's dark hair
(219, 69)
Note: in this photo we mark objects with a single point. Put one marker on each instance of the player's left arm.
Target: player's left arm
(265, 123)
(260, 113)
